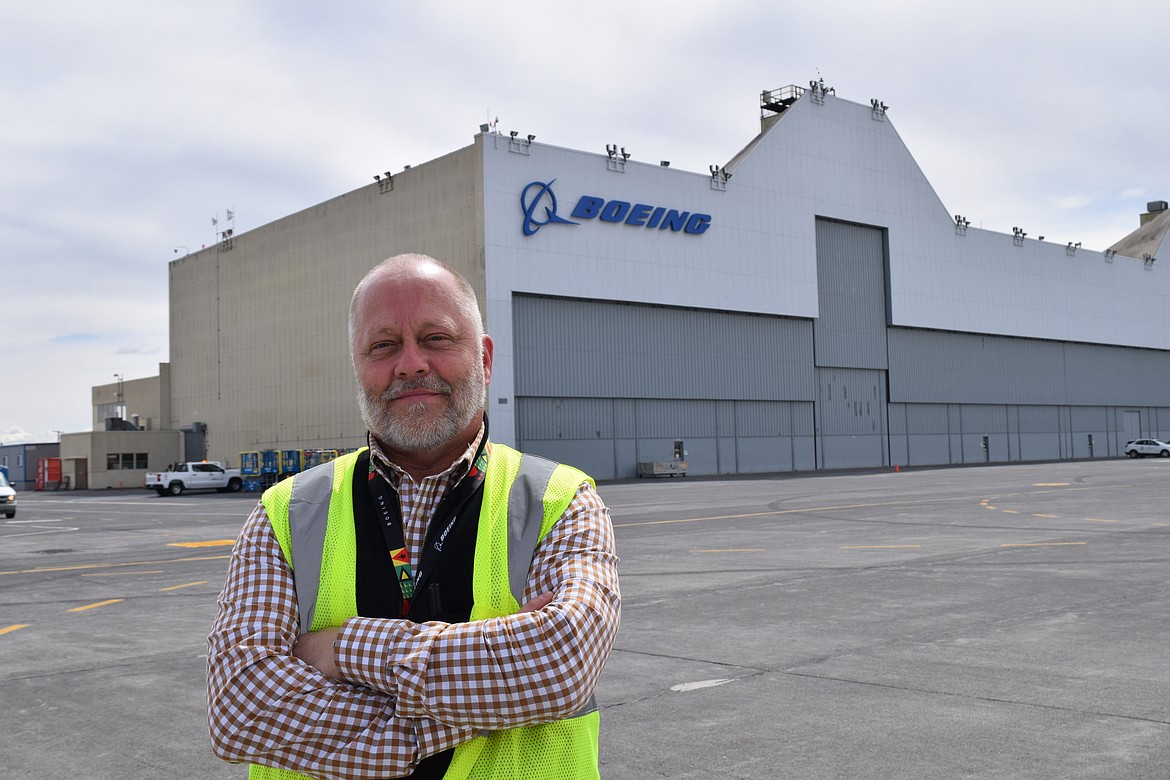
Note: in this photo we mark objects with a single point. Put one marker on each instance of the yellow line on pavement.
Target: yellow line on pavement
(1037, 514)
(774, 513)
(185, 585)
(10, 629)
(1099, 520)
(837, 507)
(79, 567)
(91, 606)
(1010, 512)
(215, 543)
(123, 573)
(1049, 484)
(1044, 544)
(882, 547)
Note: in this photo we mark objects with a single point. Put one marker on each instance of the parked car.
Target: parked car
(1140, 448)
(194, 475)
(7, 497)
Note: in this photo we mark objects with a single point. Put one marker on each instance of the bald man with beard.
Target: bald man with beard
(431, 605)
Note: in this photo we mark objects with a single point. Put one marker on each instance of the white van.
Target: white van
(7, 497)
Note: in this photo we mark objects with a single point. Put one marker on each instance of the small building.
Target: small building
(21, 461)
(132, 435)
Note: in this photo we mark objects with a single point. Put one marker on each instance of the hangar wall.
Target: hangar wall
(259, 342)
(757, 393)
(1032, 399)
(937, 434)
(931, 366)
(742, 264)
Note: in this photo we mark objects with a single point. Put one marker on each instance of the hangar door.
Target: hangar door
(851, 348)
(604, 385)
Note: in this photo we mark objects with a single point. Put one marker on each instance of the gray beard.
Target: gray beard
(416, 428)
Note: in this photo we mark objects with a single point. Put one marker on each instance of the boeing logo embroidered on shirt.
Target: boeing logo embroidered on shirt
(443, 536)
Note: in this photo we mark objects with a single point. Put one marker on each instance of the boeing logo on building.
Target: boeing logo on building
(591, 207)
(543, 191)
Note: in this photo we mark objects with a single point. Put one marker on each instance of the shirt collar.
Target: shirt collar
(395, 474)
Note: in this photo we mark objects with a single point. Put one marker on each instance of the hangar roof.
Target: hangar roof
(1147, 239)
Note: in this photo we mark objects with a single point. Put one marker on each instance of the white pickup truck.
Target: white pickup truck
(194, 475)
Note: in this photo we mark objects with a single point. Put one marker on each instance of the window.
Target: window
(126, 461)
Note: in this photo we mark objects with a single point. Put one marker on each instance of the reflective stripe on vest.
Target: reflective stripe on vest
(525, 516)
(308, 517)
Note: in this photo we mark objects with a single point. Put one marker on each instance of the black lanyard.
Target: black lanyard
(389, 510)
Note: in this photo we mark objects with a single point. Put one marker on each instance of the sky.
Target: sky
(128, 125)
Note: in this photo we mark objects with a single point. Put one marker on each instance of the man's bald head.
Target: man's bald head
(422, 267)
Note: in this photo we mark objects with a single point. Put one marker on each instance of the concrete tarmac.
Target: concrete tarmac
(988, 622)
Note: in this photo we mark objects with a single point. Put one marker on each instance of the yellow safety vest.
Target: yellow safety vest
(523, 496)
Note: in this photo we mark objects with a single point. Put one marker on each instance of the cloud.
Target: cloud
(1078, 201)
(139, 349)
(16, 435)
(75, 338)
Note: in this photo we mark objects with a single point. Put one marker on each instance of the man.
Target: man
(371, 624)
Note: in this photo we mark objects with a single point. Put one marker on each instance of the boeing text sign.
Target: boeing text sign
(539, 205)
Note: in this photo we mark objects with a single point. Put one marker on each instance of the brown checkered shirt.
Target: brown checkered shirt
(410, 690)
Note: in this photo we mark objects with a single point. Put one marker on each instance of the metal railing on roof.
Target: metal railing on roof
(777, 101)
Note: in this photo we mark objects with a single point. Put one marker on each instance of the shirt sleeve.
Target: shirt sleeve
(522, 669)
(267, 707)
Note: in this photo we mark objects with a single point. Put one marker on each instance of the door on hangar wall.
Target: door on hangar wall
(852, 354)
(851, 418)
(1131, 425)
(605, 385)
(607, 438)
